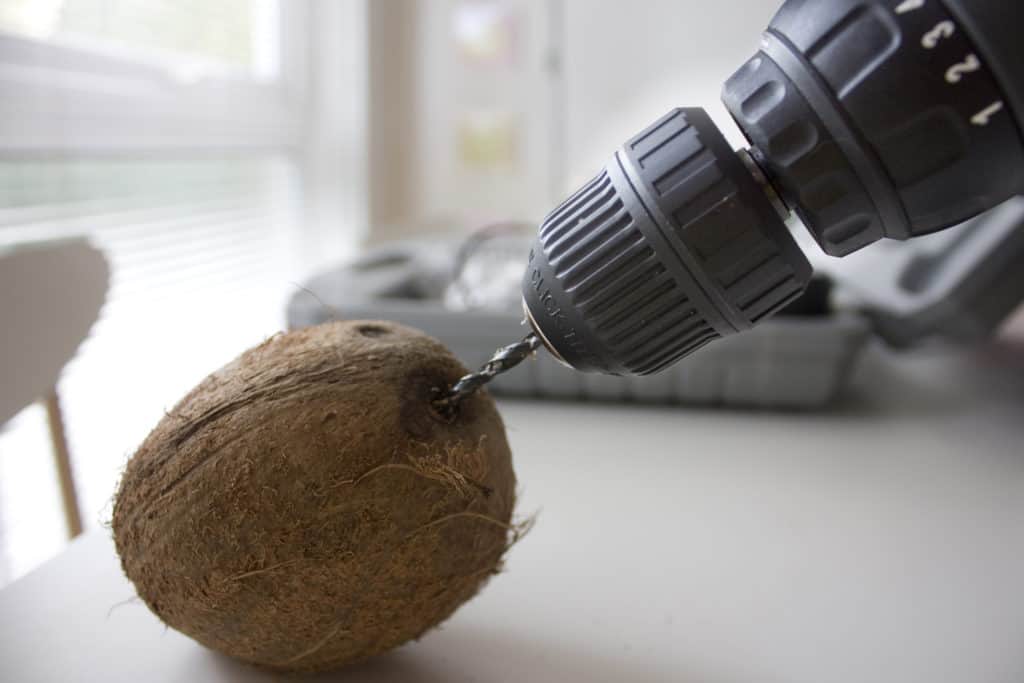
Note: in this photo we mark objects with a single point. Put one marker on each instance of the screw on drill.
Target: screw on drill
(504, 359)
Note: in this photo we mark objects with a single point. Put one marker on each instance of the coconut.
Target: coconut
(307, 505)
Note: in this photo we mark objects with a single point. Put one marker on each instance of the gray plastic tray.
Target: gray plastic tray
(792, 362)
(959, 284)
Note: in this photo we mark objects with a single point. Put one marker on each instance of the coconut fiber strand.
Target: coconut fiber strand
(306, 506)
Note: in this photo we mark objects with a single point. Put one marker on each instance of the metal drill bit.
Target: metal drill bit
(505, 358)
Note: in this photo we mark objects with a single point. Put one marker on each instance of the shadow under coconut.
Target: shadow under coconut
(464, 653)
(400, 665)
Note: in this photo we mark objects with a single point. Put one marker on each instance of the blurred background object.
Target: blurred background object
(222, 154)
(50, 296)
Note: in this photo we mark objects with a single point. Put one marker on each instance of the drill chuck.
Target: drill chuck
(672, 245)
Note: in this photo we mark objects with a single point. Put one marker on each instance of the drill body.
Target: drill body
(867, 119)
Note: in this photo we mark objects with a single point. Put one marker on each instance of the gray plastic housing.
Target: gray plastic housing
(876, 118)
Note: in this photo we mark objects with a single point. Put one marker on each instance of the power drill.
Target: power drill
(867, 119)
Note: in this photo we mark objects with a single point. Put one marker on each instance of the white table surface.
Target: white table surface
(880, 541)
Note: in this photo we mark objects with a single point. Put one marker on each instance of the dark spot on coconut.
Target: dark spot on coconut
(372, 331)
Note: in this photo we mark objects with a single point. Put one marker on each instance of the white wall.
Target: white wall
(449, 88)
(627, 63)
(587, 75)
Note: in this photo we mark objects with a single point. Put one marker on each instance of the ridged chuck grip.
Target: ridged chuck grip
(672, 245)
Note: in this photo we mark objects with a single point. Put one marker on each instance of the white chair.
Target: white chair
(50, 296)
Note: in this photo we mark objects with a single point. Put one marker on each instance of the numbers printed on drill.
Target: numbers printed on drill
(956, 72)
(944, 29)
(985, 115)
(909, 6)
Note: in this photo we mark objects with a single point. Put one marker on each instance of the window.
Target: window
(185, 36)
(178, 136)
(73, 84)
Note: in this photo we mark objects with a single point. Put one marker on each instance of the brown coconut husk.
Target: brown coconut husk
(306, 506)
